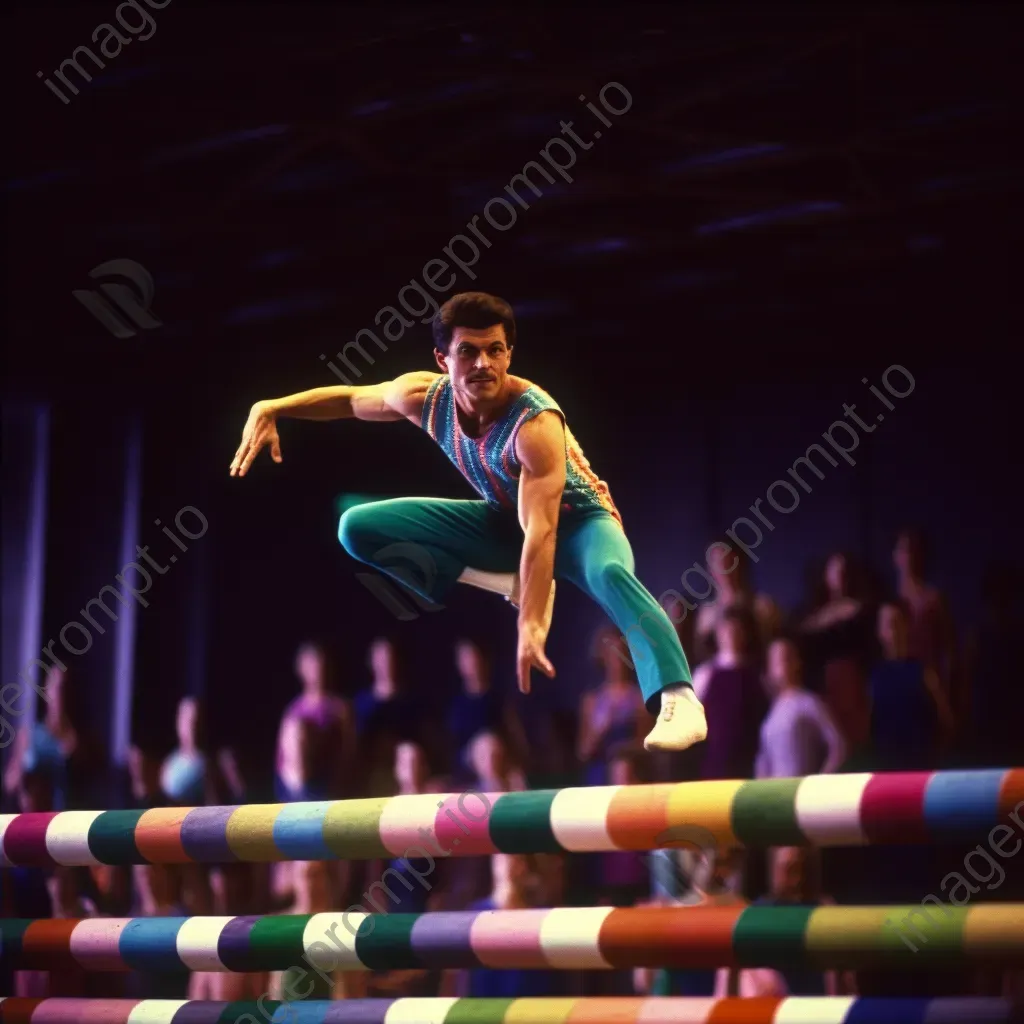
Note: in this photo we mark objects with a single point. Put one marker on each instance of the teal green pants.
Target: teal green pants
(426, 543)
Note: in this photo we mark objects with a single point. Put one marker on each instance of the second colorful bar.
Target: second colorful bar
(885, 937)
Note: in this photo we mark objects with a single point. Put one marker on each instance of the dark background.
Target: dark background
(794, 201)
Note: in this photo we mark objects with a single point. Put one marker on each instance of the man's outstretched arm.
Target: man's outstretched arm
(401, 398)
(389, 400)
(541, 450)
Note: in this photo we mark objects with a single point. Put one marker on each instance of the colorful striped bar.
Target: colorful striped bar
(907, 808)
(612, 1010)
(883, 937)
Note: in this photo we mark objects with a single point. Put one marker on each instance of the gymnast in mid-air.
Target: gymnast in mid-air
(544, 514)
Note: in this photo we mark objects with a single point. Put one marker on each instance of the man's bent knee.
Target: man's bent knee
(357, 533)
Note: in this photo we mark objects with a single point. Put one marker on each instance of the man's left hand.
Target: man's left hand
(530, 654)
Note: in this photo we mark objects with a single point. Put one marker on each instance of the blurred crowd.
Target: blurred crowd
(873, 673)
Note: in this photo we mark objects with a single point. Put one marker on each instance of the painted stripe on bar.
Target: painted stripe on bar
(637, 818)
(972, 1009)
(25, 839)
(352, 828)
(892, 808)
(993, 930)
(96, 943)
(463, 822)
(588, 1010)
(299, 831)
(419, 1011)
(579, 818)
(329, 943)
(150, 944)
(250, 832)
(571, 938)
(156, 1011)
(698, 808)
(828, 809)
(67, 838)
(158, 835)
(814, 1010)
(523, 825)
(112, 837)
(404, 818)
(197, 941)
(5, 820)
(1011, 797)
(550, 1011)
(509, 941)
(959, 803)
(439, 936)
(676, 1010)
(204, 835)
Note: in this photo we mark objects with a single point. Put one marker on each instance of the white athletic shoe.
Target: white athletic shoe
(513, 599)
(682, 722)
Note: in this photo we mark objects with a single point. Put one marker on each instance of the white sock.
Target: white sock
(495, 582)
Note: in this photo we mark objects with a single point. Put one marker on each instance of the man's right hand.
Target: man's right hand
(260, 430)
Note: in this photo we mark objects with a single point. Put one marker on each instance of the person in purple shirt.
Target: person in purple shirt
(735, 701)
(324, 721)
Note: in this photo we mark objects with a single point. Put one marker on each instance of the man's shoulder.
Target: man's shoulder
(522, 386)
(418, 379)
(407, 394)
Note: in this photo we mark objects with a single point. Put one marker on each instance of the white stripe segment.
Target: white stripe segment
(419, 1011)
(156, 1011)
(569, 938)
(197, 943)
(578, 818)
(404, 816)
(828, 809)
(329, 941)
(5, 820)
(67, 838)
(813, 1010)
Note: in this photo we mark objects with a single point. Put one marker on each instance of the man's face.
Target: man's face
(477, 361)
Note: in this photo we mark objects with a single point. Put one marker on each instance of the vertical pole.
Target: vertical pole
(125, 627)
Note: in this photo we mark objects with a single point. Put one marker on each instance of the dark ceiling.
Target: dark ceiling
(283, 170)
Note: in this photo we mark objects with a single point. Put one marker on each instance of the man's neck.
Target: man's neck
(478, 416)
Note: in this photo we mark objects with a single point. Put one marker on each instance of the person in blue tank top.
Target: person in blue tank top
(910, 713)
(478, 708)
(543, 513)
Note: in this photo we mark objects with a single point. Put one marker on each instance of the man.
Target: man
(544, 513)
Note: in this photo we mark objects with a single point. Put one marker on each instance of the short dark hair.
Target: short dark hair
(475, 310)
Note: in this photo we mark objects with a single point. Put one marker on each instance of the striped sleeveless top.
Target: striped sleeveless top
(490, 463)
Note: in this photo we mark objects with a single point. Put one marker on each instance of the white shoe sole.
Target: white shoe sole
(677, 741)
